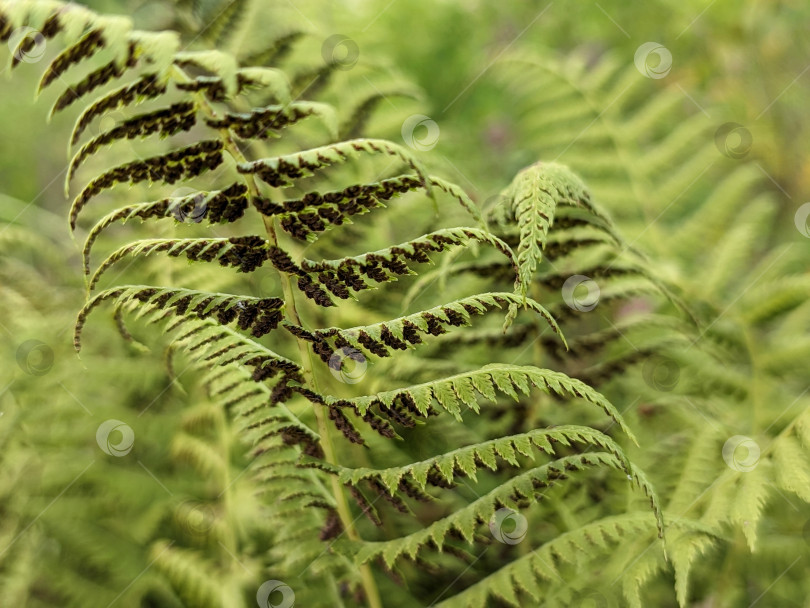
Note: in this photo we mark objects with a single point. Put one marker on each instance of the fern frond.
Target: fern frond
(278, 171)
(216, 206)
(533, 197)
(464, 520)
(189, 575)
(259, 315)
(398, 334)
(265, 122)
(466, 461)
(245, 253)
(168, 121)
(146, 87)
(184, 163)
(383, 265)
(541, 566)
(465, 389)
(792, 466)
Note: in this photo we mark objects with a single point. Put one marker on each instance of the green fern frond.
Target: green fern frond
(466, 461)
(465, 389)
(465, 520)
(278, 171)
(259, 315)
(164, 122)
(265, 122)
(181, 164)
(398, 334)
(216, 206)
(384, 264)
(533, 198)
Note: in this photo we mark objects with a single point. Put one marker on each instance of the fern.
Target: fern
(711, 220)
(218, 124)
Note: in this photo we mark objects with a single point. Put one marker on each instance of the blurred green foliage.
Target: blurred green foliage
(80, 528)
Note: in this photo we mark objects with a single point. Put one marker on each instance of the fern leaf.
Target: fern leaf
(219, 64)
(189, 575)
(792, 467)
(148, 86)
(753, 492)
(85, 48)
(165, 122)
(399, 334)
(280, 170)
(217, 206)
(464, 520)
(305, 218)
(259, 315)
(246, 253)
(384, 264)
(267, 121)
(533, 196)
(488, 380)
(181, 164)
(684, 548)
(541, 565)
(466, 461)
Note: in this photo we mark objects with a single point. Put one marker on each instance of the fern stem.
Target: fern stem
(291, 312)
(369, 585)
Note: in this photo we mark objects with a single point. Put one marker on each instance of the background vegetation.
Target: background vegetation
(701, 339)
